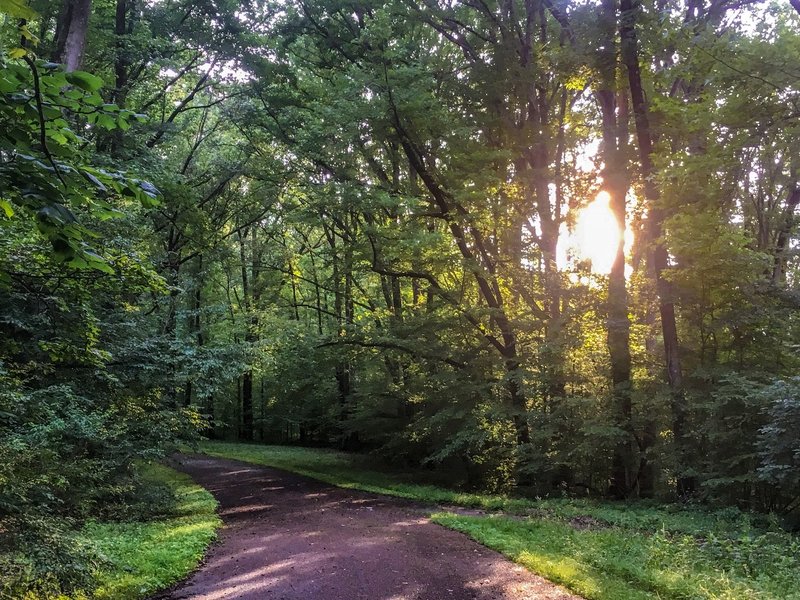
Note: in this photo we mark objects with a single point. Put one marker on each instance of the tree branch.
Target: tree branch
(40, 111)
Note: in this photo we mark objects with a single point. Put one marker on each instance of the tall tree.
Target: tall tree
(72, 27)
(614, 111)
(655, 224)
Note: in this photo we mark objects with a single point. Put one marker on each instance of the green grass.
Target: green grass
(629, 551)
(354, 471)
(622, 564)
(141, 558)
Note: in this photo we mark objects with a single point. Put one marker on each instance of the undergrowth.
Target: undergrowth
(153, 541)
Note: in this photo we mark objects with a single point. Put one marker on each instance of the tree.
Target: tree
(72, 26)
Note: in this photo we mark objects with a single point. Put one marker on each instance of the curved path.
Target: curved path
(287, 537)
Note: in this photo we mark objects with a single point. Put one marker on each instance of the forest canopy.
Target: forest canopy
(545, 247)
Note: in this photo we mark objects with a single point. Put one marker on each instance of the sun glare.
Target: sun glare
(595, 236)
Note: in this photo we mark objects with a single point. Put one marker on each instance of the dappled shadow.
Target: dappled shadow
(290, 538)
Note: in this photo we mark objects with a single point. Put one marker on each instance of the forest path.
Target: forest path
(287, 537)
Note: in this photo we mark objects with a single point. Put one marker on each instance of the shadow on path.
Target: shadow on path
(287, 537)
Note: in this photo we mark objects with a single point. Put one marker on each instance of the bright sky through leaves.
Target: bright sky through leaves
(594, 237)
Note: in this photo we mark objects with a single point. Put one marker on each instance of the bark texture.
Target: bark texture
(71, 31)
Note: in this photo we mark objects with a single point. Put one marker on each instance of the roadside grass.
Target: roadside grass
(140, 558)
(600, 550)
(623, 564)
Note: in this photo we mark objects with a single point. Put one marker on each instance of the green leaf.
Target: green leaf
(85, 258)
(97, 262)
(28, 35)
(97, 183)
(85, 81)
(106, 121)
(94, 100)
(50, 112)
(5, 205)
(18, 8)
(17, 53)
(8, 84)
(107, 213)
(56, 214)
(148, 188)
(57, 137)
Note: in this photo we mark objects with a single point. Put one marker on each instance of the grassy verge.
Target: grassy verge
(141, 558)
(628, 564)
(601, 550)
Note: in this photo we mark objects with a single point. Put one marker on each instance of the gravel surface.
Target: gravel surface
(287, 537)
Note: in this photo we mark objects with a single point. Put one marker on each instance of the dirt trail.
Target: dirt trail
(286, 537)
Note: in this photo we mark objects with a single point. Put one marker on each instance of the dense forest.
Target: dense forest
(547, 247)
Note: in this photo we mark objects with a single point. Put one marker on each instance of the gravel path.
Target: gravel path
(287, 537)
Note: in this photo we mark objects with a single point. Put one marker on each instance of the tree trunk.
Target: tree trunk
(246, 432)
(173, 265)
(630, 57)
(342, 308)
(123, 26)
(121, 60)
(615, 184)
(351, 440)
(784, 233)
(194, 321)
(71, 31)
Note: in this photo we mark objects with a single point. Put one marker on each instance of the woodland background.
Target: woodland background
(344, 224)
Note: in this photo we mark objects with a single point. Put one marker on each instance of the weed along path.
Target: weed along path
(287, 537)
